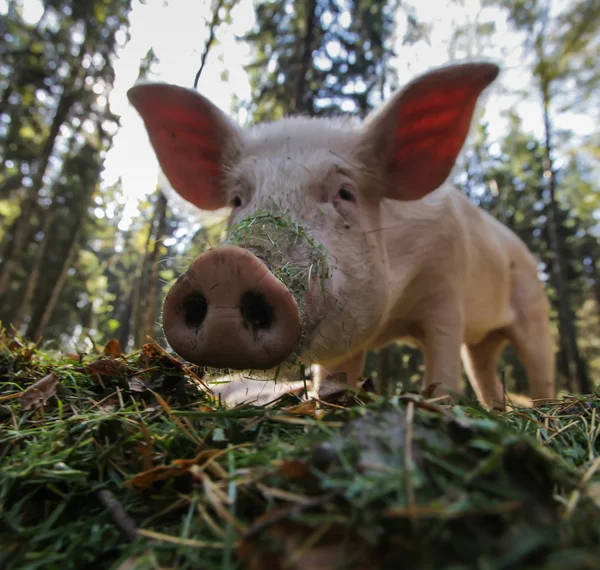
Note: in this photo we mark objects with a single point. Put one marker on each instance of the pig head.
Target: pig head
(343, 237)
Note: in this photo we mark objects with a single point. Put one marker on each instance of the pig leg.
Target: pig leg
(441, 351)
(530, 333)
(481, 364)
(353, 368)
(533, 343)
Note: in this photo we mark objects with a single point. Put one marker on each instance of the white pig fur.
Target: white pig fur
(423, 265)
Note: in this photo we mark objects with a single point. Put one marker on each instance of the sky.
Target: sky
(177, 31)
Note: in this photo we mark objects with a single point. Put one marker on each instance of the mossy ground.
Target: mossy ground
(118, 461)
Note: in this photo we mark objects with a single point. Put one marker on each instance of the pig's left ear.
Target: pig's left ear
(192, 138)
(421, 131)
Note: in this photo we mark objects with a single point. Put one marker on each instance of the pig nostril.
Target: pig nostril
(256, 312)
(195, 308)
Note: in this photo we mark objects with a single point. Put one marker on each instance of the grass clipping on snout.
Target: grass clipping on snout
(114, 461)
(291, 254)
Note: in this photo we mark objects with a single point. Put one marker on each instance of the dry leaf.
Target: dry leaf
(39, 393)
(367, 385)
(295, 469)
(429, 391)
(112, 349)
(106, 367)
(177, 468)
(14, 344)
(308, 408)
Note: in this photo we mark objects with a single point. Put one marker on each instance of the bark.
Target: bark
(35, 330)
(383, 371)
(577, 375)
(596, 281)
(149, 302)
(34, 275)
(305, 59)
(125, 328)
(135, 323)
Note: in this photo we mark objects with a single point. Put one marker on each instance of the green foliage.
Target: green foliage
(56, 128)
(345, 69)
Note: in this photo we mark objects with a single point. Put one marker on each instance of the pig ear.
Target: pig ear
(191, 137)
(421, 131)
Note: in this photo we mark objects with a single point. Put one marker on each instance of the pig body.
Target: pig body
(467, 288)
(404, 256)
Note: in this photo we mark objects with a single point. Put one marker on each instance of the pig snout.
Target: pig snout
(229, 311)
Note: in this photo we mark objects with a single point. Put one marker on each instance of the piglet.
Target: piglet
(345, 237)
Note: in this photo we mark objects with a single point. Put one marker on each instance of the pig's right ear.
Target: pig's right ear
(191, 137)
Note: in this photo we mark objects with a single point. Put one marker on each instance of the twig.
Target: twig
(125, 523)
(408, 458)
(209, 41)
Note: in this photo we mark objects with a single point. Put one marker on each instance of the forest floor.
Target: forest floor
(113, 461)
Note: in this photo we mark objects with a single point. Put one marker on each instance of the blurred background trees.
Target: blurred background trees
(74, 268)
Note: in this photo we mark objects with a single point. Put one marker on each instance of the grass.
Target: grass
(124, 462)
(275, 238)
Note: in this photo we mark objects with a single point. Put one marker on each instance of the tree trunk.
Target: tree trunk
(149, 303)
(596, 281)
(138, 286)
(34, 331)
(17, 233)
(305, 59)
(34, 275)
(576, 368)
(125, 329)
(383, 371)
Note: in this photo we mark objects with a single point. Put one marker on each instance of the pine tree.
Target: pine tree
(558, 45)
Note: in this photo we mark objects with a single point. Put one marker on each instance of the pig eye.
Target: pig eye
(236, 202)
(346, 194)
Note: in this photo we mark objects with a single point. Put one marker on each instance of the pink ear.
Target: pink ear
(421, 131)
(192, 139)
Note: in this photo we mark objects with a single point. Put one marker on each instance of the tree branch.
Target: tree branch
(210, 40)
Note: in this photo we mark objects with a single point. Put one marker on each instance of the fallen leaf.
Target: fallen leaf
(106, 367)
(308, 408)
(367, 385)
(177, 468)
(151, 350)
(39, 393)
(14, 344)
(295, 469)
(428, 392)
(112, 349)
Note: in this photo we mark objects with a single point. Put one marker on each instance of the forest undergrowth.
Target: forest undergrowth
(127, 461)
